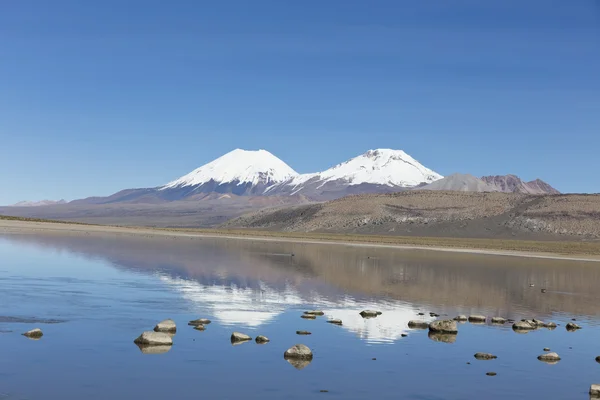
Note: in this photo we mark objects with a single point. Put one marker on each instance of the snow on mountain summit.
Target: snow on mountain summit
(258, 167)
(383, 167)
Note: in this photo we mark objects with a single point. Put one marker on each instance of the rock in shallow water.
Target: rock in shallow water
(443, 326)
(491, 374)
(34, 333)
(308, 316)
(200, 327)
(168, 325)
(498, 320)
(303, 333)
(595, 391)
(154, 338)
(549, 357)
(461, 318)
(572, 327)
(485, 356)
(418, 324)
(314, 312)
(369, 313)
(299, 352)
(239, 337)
(335, 321)
(524, 325)
(262, 339)
(199, 321)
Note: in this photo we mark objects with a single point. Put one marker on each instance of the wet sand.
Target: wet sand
(24, 227)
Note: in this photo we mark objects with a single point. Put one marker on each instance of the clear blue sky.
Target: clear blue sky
(97, 96)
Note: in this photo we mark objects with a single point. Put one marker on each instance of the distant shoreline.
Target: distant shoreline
(567, 251)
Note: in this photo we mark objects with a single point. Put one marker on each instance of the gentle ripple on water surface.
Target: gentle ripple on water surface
(93, 295)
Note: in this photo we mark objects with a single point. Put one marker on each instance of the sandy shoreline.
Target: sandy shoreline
(24, 227)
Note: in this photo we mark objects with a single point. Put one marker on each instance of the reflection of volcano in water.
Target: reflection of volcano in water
(235, 305)
(386, 328)
(253, 307)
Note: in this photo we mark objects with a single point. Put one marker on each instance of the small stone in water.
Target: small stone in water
(491, 374)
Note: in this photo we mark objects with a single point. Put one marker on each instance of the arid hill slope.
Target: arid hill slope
(440, 213)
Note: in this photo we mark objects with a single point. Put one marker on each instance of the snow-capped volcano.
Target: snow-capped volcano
(240, 167)
(382, 167)
(380, 170)
(260, 173)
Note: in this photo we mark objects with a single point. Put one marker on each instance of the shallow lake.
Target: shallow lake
(92, 295)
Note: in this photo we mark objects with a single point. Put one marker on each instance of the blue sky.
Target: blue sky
(105, 95)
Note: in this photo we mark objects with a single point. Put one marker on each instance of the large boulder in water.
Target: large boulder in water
(168, 325)
(443, 326)
(298, 352)
(154, 338)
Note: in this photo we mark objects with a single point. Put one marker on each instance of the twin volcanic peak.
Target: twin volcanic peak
(243, 172)
(260, 173)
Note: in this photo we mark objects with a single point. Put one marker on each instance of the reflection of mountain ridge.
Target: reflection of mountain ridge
(323, 273)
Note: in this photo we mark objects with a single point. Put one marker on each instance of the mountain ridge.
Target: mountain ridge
(260, 173)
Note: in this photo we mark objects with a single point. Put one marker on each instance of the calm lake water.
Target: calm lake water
(93, 295)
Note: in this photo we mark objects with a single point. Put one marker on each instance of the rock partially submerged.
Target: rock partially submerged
(485, 356)
(298, 352)
(154, 339)
(168, 325)
(477, 318)
(418, 324)
(498, 320)
(200, 327)
(491, 373)
(461, 318)
(595, 391)
(549, 357)
(369, 313)
(34, 333)
(303, 333)
(314, 312)
(308, 316)
(262, 339)
(443, 326)
(524, 325)
(199, 321)
(237, 337)
(335, 321)
(572, 327)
